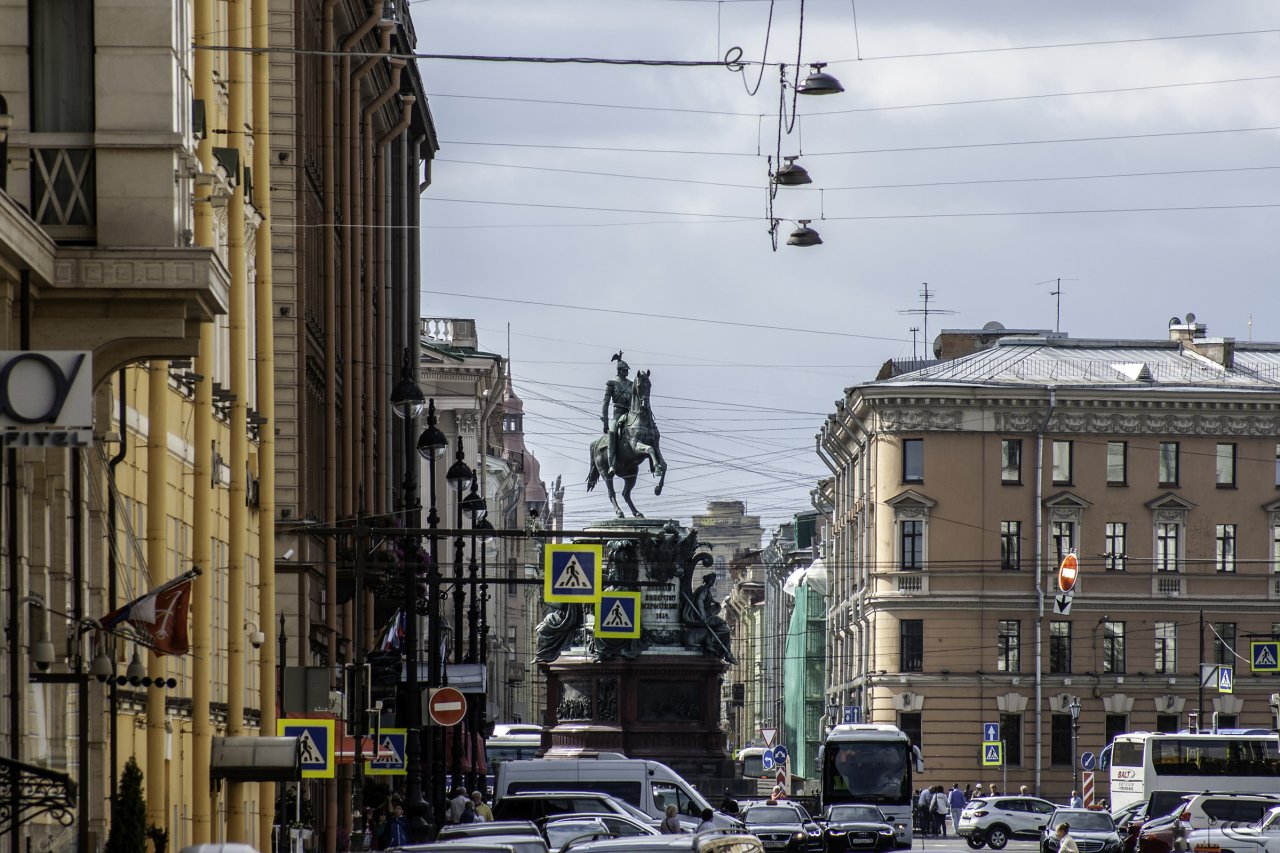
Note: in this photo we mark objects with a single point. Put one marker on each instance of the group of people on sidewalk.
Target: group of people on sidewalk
(934, 804)
(390, 829)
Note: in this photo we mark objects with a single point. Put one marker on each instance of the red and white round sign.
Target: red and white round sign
(1068, 572)
(447, 706)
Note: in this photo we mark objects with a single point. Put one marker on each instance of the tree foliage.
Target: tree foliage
(129, 823)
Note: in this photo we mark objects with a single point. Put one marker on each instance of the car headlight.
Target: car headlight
(799, 836)
(834, 831)
(901, 827)
(885, 831)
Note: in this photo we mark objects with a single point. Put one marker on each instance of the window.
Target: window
(1168, 536)
(1009, 646)
(1011, 460)
(1115, 547)
(1166, 661)
(1061, 462)
(1224, 642)
(511, 575)
(1224, 551)
(1275, 547)
(911, 645)
(1117, 463)
(1060, 740)
(1167, 723)
(62, 66)
(1064, 538)
(912, 726)
(913, 460)
(1278, 466)
(1011, 545)
(1225, 466)
(1168, 463)
(1115, 724)
(912, 550)
(1113, 648)
(1060, 647)
(1011, 731)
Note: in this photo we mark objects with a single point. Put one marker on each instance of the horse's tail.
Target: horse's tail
(593, 476)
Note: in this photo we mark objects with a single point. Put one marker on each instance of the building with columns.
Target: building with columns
(959, 487)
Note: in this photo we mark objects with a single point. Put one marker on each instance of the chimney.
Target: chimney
(1193, 337)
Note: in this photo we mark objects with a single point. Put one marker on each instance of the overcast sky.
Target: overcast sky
(973, 149)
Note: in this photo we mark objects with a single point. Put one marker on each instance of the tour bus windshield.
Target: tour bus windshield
(753, 766)
(868, 772)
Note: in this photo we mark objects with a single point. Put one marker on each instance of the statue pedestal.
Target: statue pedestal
(664, 707)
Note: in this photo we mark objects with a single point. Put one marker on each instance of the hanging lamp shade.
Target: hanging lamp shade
(432, 442)
(407, 398)
(819, 82)
(473, 504)
(804, 236)
(459, 473)
(792, 174)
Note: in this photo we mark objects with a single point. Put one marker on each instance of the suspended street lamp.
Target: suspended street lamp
(804, 236)
(792, 174)
(819, 82)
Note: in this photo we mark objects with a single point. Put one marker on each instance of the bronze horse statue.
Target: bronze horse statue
(638, 440)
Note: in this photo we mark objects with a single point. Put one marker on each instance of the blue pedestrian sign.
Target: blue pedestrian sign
(990, 732)
(391, 754)
(618, 615)
(993, 754)
(780, 755)
(766, 759)
(1087, 760)
(571, 573)
(316, 741)
(1265, 655)
(1226, 678)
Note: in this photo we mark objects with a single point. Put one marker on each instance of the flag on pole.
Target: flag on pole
(160, 615)
(391, 636)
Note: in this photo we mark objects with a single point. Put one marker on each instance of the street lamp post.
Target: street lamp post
(474, 506)
(1074, 708)
(458, 475)
(431, 446)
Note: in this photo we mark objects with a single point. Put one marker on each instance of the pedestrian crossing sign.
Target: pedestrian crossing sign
(992, 753)
(618, 615)
(1265, 655)
(391, 754)
(1226, 679)
(316, 742)
(571, 573)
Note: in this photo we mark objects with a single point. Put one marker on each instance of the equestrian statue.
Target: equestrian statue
(629, 439)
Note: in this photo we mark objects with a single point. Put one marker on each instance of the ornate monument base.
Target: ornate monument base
(657, 696)
(657, 706)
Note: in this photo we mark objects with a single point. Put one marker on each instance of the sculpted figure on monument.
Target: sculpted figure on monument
(558, 629)
(700, 612)
(630, 438)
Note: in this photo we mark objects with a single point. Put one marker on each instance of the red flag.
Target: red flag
(167, 626)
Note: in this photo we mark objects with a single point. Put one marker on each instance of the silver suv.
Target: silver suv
(993, 821)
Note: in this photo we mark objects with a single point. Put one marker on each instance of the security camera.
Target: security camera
(257, 638)
(42, 655)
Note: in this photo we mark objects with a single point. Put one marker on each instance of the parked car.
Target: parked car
(784, 827)
(994, 820)
(479, 845)
(1093, 831)
(1231, 837)
(857, 827)
(1200, 811)
(536, 805)
(560, 830)
(1129, 820)
(721, 841)
(489, 827)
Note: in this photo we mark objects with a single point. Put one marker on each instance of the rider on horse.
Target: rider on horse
(618, 392)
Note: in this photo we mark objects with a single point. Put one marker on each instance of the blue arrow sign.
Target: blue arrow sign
(766, 759)
(990, 732)
(1087, 760)
(780, 755)
(853, 713)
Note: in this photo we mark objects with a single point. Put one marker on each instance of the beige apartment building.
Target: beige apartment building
(959, 487)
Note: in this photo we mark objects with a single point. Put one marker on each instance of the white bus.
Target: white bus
(1142, 764)
(510, 742)
(872, 764)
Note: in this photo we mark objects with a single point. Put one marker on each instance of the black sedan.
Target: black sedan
(851, 827)
(784, 828)
(1093, 831)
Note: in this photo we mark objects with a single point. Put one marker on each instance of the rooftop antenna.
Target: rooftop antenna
(913, 331)
(1251, 327)
(925, 296)
(1056, 293)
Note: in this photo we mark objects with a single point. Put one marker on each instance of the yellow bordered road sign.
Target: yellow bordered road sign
(571, 573)
(618, 615)
(391, 754)
(992, 753)
(317, 745)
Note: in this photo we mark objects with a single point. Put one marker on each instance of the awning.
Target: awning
(256, 759)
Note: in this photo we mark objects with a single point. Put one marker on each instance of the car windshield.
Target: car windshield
(772, 814)
(1085, 821)
(560, 831)
(852, 813)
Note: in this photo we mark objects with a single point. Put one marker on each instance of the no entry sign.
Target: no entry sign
(447, 706)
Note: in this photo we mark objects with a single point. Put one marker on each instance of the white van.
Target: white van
(648, 785)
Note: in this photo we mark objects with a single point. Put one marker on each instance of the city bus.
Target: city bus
(1168, 765)
(510, 742)
(751, 760)
(872, 764)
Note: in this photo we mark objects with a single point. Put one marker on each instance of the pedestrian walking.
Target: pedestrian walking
(940, 807)
(968, 793)
(1076, 802)
(457, 804)
(483, 812)
(671, 823)
(923, 818)
(707, 823)
(957, 800)
(1066, 844)
(398, 828)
